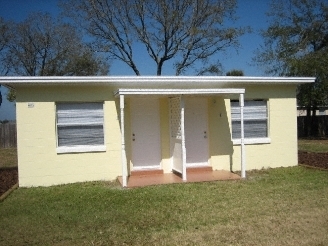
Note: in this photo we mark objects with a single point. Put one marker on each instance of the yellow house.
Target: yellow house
(75, 129)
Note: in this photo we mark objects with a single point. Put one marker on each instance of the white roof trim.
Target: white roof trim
(177, 91)
(164, 82)
(128, 79)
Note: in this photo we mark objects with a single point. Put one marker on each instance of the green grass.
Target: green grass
(8, 157)
(284, 206)
(313, 145)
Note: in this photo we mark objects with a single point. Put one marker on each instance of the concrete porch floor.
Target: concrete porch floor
(157, 178)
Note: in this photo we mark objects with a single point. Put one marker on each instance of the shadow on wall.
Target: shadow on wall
(221, 145)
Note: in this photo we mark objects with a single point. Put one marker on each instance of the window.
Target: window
(255, 120)
(80, 127)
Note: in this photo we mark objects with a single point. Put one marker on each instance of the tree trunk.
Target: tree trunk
(159, 68)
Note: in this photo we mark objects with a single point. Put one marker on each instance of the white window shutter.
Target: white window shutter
(80, 124)
(255, 119)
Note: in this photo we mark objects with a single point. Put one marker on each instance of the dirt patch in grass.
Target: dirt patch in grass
(319, 160)
(8, 177)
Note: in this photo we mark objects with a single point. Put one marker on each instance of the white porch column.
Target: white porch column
(183, 140)
(123, 153)
(242, 142)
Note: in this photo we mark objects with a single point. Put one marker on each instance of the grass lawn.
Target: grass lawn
(313, 145)
(8, 157)
(283, 206)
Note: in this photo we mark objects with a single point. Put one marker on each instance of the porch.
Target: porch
(185, 136)
(157, 177)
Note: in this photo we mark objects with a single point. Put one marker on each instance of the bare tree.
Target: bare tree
(186, 31)
(43, 46)
(4, 39)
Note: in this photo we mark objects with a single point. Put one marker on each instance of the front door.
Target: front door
(146, 152)
(196, 131)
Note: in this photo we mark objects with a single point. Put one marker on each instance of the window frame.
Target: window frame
(84, 147)
(252, 140)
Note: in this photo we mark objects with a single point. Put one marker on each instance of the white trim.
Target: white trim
(157, 79)
(177, 91)
(80, 149)
(198, 165)
(249, 141)
(155, 167)
(183, 140)
(123, 152)
(242, 143)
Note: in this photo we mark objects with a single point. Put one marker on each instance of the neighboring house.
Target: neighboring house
(73, 129)
(322, 110)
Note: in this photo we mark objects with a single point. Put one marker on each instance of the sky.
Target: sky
(250, 12)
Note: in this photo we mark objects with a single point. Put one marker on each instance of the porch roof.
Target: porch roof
(171, 92)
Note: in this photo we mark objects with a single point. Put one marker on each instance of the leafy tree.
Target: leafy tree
(212, 69)
(42, 46)
(187, 31)
(296, 44)
(235, 72)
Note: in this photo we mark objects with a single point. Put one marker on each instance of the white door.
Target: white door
(146, 152)
(196, 131)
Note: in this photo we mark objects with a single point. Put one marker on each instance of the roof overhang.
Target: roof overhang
(161, 82)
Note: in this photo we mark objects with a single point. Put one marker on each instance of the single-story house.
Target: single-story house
(74, 129)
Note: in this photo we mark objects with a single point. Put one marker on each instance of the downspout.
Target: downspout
(183, 140)
(123, 153)
(242, 137)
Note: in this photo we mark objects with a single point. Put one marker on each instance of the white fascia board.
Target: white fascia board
(178, 91)
(149, 81)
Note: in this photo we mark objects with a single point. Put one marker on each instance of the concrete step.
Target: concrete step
(146, 172)
(199, 169)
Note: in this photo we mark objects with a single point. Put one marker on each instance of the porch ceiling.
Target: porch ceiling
(172, 92)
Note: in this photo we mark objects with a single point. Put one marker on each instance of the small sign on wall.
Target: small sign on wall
(30, 105)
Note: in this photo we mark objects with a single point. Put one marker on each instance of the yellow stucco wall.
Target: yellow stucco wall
(39, 164)
(282, 126)
(220, 143)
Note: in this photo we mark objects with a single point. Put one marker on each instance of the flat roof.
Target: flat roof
(149, 81)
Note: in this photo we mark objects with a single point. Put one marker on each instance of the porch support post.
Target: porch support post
(123, 153)
(183, 139)
(242, 142)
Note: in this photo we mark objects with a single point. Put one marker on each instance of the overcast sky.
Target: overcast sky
(251, 13)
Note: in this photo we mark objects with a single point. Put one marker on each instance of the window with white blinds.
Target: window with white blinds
(80, 124)
(255, 119)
